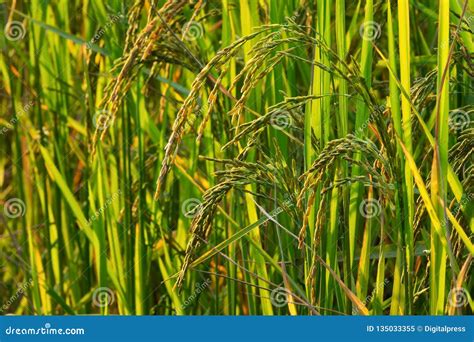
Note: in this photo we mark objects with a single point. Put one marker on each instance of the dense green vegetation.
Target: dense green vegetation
(237, 157)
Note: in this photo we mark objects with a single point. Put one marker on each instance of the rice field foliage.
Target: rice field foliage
(172, 157)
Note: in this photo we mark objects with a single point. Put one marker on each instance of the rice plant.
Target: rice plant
(172, 157)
